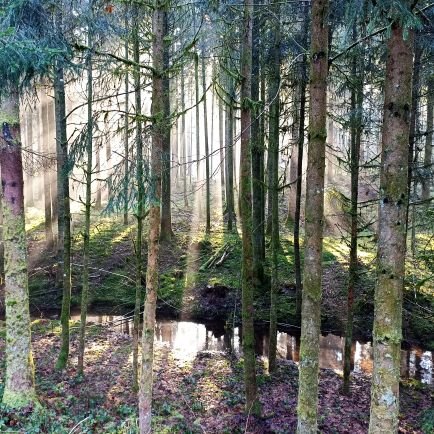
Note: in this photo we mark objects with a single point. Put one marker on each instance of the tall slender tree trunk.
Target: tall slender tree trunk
(19, 390)
(127, 124)
(302, 84)
(29, 136)
(252, 402)
(229, 157)
(314, 212)
(88, 198)
(274, 97)
(222, 152)
(427, 180)
(158, 131)
(391, 246)
(140, 195)
(64, 252)
(207, 157)
(49, 237)
(356, 136)
(182, 141)
(196, 85)
(257, 158)
(166, 212)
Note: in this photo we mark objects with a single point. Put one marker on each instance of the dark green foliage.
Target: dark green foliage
(28, 43)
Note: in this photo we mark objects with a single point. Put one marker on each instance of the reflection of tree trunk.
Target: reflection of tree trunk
(391, 247)
(314, 217)
(19, 390)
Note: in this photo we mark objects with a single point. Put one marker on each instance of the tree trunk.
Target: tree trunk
(166, 212)
(273, 146)
(222, 152)
(47, 173)
(127, 124)
(196, 84)
(140, 196)
(391, 247)
(314, 217)
(207, 157)
(158, 131)
(427, 180)
(182, 141)
(64, 212)
(252, 402)
(88, 198)
(29, 136)
(257, 159)
(19, 388)
(229, 159)
(356, 136)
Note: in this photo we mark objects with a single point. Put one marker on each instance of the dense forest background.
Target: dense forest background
(216, 216)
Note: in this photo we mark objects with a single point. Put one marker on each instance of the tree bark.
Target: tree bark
(158, 131)
(19, 388)
(252, 402)
(229, 157)
(314, 217)
(391, 246)
(127, 124)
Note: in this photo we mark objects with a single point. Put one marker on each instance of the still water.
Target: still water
(186, 339)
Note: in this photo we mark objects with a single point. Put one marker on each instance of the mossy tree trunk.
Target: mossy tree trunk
(222, 152)
(182, 141)
(19, 388)
(88, 198)
(273, 128)
(314, 217)
(391, 246)
(158, 131)
(252, 402)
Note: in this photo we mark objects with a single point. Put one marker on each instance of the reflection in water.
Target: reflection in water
(186, 339)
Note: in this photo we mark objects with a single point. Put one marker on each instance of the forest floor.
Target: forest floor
(204, 395)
